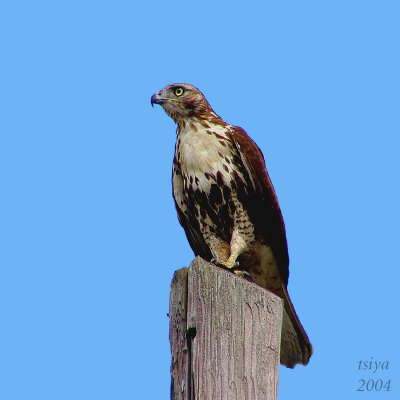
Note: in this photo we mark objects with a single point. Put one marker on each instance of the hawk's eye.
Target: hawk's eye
(179, 91)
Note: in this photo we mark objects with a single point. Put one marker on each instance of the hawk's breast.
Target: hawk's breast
(205, 166)
(205, 156)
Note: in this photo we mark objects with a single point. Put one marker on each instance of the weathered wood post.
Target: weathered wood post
(225, 335)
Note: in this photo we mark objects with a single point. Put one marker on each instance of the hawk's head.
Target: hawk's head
(182, 101)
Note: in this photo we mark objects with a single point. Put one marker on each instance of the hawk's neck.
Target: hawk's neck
(200, 122)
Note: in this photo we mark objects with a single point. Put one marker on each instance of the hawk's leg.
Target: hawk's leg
(242, 235)
(240, 242)
(218, 247)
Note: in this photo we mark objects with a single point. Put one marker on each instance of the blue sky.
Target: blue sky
(88, 233)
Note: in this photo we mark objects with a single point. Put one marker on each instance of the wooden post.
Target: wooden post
(225, 335)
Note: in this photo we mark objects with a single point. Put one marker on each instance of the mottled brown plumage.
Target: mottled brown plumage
(227, 205)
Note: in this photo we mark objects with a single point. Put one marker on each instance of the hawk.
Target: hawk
(227, 205)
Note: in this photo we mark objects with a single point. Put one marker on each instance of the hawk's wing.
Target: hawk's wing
(262, 205)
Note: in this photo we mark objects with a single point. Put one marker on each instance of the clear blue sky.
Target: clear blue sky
(89, 239)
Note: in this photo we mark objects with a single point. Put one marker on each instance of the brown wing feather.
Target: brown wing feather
(262, 204)
(264, 211)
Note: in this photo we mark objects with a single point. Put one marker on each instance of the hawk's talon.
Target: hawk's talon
(225, 264)
(245, 275)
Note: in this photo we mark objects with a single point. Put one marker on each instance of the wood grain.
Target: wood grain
(178, 337)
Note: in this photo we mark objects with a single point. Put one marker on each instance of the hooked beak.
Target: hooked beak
(157, 99)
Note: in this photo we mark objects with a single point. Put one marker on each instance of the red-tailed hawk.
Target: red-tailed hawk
(227, 205)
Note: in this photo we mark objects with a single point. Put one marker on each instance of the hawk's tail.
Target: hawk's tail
(295, 345)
